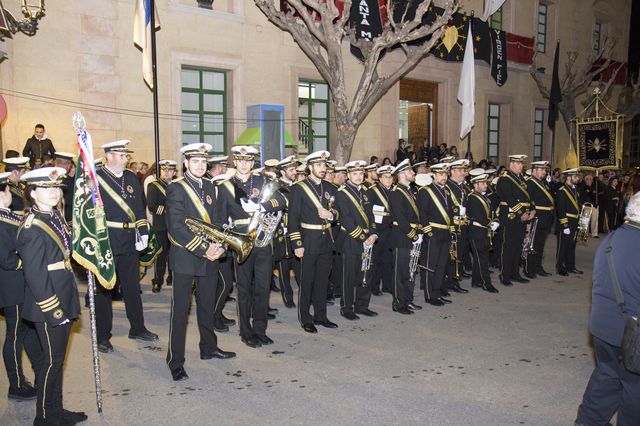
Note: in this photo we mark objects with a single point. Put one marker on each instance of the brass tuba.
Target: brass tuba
(582, 233)
(265, 224)
(241, 244)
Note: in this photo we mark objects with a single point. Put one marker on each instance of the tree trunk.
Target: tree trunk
(345, 138)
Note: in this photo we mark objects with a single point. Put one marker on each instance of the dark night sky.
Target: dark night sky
(634, 40)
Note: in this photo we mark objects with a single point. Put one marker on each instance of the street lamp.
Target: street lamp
(32, 11)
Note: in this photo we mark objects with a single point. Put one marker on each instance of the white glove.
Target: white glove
(65, 322)
(566, 231)
(419, 240)
(463, 210)
(142, 243)
(250, 206)
(494, 226)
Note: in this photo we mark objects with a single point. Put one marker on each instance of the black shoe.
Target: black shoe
(271, 316)
(596, 236)
(231, 299)
(506, 283)
(289, 304)
(404, 311)
(228, 321)
(273, 310)
(105, 347)
(72, 417)
(575, 271)
(413, 306)
(376, 292)
(520, 279)
(252, 342)
(349, 315)
(367, 312)
(155, 288)
(563, 272)
(264, 339)
(330, 300)
(476, 285)
(490, 288)
(443, 300)
(179, 374)
(456, 288)
(23, 393)
(543, 273)
(220, 327)
(465, 275)
(310, 328)
(145, 335)
(529, 276)
(274, 287)
(435, 302)
(326, 323)
(444, 292)
(219, 354)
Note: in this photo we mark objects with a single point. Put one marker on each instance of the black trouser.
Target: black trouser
(381, 266)
(496, 252)
(566, 254)
(284, 278)
(335, 280)
(253, 279)
(612, 217)
(181, 292)
(601, 217)
(224, 287)
(434, 255)
(161, 262)
(20, 334)
(511, 249)
(479, 241)
(464, 249)
(54, 342)
(402, 285)
(611, 388)
(354, 295)
(127, 272)
(314, 277)
(533, 261)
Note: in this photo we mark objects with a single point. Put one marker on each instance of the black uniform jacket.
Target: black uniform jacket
(188, 197)
(458, 195)
(567, 206)
(11, 276)
(436, 207)
(306, 229)
(405, 217)
(17, 199)
(51, 294)
(124, 209)
(67, 197)
(281, 246)
(514, 197)
(356, 218)
(542, 201)
(157, 203)
(479, 212)
(379, 196)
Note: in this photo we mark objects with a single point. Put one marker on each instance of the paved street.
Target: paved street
(518, 357)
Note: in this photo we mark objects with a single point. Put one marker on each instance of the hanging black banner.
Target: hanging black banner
(499, 56)
(597, 143)
(365, 18)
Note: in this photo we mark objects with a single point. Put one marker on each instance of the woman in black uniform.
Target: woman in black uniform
(51, 297)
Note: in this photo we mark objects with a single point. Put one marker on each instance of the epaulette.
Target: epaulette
(27, 222)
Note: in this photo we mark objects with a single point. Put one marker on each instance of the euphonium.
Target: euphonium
(453, 254)
(241, 244)
(265, 224)
(582, 233)
(527, 243)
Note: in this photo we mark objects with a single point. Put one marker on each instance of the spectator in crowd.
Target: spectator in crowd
(425, 149)
(403, 151)
(588, 190)
(37, 146)
(635, 184)
(387, 161)
(453, 152)
(373, 160)
(483, 164)
(142, 172)
(614, 198)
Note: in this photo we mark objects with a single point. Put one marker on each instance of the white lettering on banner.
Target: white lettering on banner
(366, 34)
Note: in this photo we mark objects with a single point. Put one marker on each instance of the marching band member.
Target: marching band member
(543, 201)
(356, 231)
(157, 205)
(436, 205)
(128, 234)
(238, 201)
(16, 166)
(567, 212)
(382, 263)
(192, 260)
(405, 232)
(310, 218)
(51, 299)
(283, 255)
(481, 223)
(457, 188)
(64, 160)
(515, 212)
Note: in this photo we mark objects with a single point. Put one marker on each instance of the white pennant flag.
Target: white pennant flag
(467, 88)
(142, 36)
(491, 7)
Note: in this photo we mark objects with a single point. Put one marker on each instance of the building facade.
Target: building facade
(212, 64)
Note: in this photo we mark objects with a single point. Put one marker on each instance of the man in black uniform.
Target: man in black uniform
(157, 205)
(382, 262)
(64, 160)
(567, 212)
(436, 205)
(239, 199)
(404, 233)
(217, 166)
(128, 234)
(543, 201)
(515, 212)
(456, 183)
(480, 214)
(192, 259)
(16, 166)
(357, 233)
(19, 334)
(310, 218)
(283, 253)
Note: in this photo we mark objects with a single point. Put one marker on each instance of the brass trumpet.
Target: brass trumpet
(453, 254)
(241, 244)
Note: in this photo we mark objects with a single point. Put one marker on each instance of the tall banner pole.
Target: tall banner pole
(156, 124)
(94, 339)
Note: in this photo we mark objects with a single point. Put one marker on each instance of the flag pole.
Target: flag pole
(94, 339)
(156, 124)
